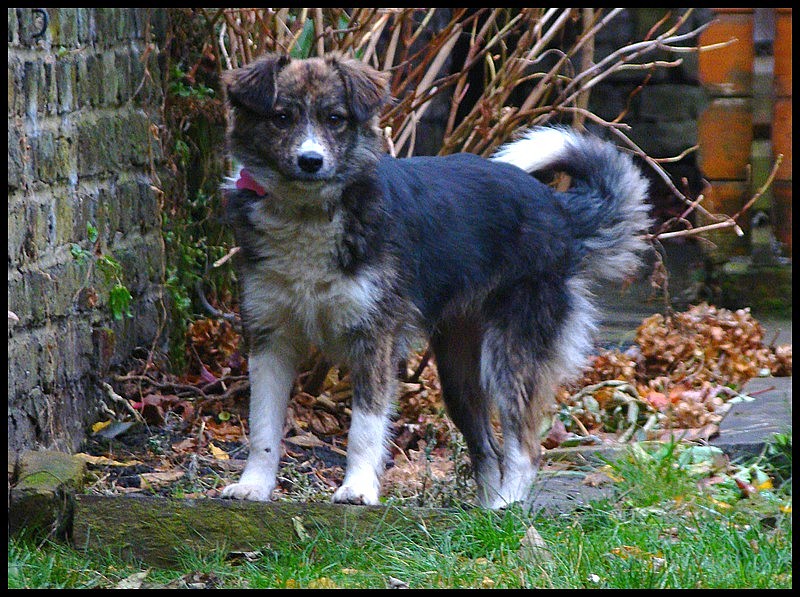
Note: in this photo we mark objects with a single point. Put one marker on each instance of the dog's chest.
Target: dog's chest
(294, 284)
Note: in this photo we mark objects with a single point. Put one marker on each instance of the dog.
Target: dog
(361, 254)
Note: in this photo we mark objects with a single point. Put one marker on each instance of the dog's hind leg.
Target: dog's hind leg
(508, 375)
(536, 335)
(457, 347)
(373, 375)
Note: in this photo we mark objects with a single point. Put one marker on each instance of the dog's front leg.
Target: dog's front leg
(271, 375)
(373, 392)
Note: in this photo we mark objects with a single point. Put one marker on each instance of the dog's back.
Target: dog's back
(465, 224)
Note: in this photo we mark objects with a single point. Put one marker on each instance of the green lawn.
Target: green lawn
(675, 522)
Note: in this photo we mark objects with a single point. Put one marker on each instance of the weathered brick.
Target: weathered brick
(64, 27)
(31, 89)
(50, 97)
(83, 86)
(52, 288)
(24, 349)
(110, 23)
(36, 230)
(671, 102)
(66, 81)
(87, 27)
(17, 300)
(28, 23)
(110, 79)
(141, 260)
(54, 156)
(147, 208)
(78, 153)
(122, 62)
(92, 84)
(96, 147)
(16, 97)
(18, 160)
(43, 150)
(17, 227)
(13, 26)
(665, 139)
(63, 216)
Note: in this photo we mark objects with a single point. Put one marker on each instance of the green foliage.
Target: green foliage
(92, 233)
(178, 86)
(119, 296)
(668, 533)
(303, 47)
(779, 459)
(119, 301)
(193, 147)
(79, 253)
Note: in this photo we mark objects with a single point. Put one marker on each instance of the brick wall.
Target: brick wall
(81, 147)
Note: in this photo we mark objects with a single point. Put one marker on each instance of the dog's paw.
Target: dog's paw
(352, 494)
(520, 497)
(246, 491)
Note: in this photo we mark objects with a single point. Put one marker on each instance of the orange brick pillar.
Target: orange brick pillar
(782, 128)
(725, 128)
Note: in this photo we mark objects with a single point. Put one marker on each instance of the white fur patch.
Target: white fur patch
(312, 144)
(365, 457)
(538, 149)
(519, 473)
(271, 377)
(298, 287)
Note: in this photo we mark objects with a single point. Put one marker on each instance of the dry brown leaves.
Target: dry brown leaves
(215, 346)
(683, 368)
(677, 378)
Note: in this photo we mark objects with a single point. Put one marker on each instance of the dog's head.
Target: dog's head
(305, 122)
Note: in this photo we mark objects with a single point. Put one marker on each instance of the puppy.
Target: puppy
(348, 249)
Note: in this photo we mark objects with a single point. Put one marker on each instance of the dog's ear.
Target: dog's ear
(253, 86)
(367, 89)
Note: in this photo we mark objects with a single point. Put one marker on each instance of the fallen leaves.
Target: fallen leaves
(160, 478)
(192, 580)
(676, 380)
(419, 471)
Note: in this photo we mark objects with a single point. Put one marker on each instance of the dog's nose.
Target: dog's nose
(310, 161)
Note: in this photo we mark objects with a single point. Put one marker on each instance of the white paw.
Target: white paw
(519, 495)
(364, 494)
(499, 503)
(246, 491)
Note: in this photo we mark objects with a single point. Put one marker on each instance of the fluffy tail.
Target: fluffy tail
(607, 200)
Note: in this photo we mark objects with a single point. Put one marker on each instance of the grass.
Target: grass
(662, 530)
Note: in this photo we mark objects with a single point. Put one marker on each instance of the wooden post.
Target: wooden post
(782, 127)
(725, 128)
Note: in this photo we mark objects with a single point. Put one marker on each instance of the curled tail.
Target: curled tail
(607, 200)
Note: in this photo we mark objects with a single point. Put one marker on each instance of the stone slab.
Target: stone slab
(41, 489)
(748, 426)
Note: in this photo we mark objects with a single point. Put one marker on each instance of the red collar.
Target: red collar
(247, 182)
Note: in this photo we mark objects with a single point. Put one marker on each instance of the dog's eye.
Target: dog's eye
(281, 120)
(336, 120)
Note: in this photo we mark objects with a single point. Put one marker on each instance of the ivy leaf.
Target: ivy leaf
(119, 301)
(302, 49)
(91, 232)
